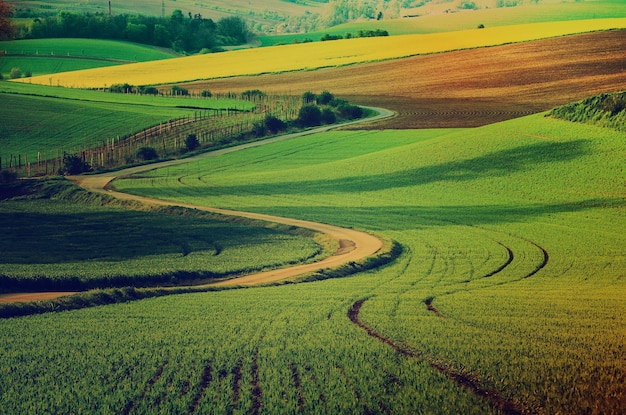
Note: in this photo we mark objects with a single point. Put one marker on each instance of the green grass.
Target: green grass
(48, 65)
(48, 56)
(78, 241)
(49, 120)
(606, 110)
(437, 23)
(85, 48)
(539, 200)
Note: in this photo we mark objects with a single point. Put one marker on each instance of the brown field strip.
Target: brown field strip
(466, 88)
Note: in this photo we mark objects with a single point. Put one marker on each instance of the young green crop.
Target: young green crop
(41, 122)
(512, 232)
(58, 244)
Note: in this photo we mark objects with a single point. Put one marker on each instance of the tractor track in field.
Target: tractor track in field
(464, 380)
(353, 245)
(493, 397)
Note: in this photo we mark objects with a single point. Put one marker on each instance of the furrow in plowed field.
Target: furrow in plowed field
(465, 88)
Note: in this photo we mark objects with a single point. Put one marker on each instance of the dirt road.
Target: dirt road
(354, 245)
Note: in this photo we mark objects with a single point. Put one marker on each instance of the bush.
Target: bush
(350, 112)
(73, 164)
(308, 97)
(1, 77)
(309, 116)
(273, 124)
(121, 88)
(324, 98)
(259, 129)
(28, 73)
(148, 90)
(191, 142)
(252, 93)
(15, 73)
(177, 90)
(7, 176)
(206, 93)
(147, 153)
(328, 116)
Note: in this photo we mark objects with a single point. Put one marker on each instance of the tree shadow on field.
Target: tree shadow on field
(500, 163)
(399, 218)
(54, 238)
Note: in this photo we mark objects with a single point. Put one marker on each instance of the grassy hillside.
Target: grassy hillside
(42, 121)
(46, 56)
(436, 21)
(511, 278)
(606, 110)
(266, 14)
(79, 241)
(316, 55)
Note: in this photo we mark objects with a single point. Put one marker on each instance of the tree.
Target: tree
(233, 28)
(309, 116)
(6, 29)
(191, 142)
(16, 73)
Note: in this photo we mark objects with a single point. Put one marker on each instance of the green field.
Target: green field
(46, 56)
(447, 22)
(513, 232)
(40, 121)
(76, 244)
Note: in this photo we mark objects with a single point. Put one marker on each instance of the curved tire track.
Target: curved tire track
(493, 397)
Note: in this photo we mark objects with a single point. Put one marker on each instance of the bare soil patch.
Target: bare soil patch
(465, 88)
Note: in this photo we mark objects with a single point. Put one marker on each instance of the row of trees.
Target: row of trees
(191, 33)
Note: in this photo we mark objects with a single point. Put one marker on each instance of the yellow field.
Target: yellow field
(315, 55)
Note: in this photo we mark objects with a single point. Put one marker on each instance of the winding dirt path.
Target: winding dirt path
(353, 245)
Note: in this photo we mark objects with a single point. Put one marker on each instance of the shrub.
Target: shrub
(147, 153)
(28, 73)
(252, 93)
(308, 97)
(206, 93)
(259, 129)
(177, 90)
(328, 116)
(309, 116)
(7, 176)
(1, 77)
(15, 73)
(148, 90)
(324, 98)
(121, 88)
(73, 164)
(191, 142)
(273, 124)
(350, 112)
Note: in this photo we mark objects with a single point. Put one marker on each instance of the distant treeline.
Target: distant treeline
(191, 33)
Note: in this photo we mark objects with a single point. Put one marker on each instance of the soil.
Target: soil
(467, 88)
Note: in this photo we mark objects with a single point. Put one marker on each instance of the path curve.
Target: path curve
(354, 245)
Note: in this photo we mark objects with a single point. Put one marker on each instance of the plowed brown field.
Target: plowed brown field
(464, 88)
